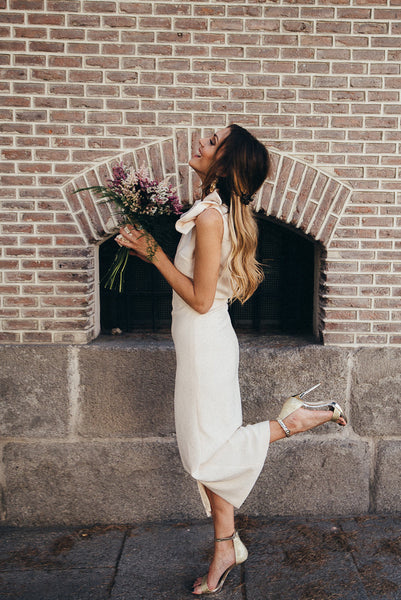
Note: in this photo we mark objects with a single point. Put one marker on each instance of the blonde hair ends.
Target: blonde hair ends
(245, 271)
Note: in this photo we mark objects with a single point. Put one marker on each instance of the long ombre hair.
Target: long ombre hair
(239, 169)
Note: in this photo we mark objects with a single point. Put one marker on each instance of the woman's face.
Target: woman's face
(208, 147)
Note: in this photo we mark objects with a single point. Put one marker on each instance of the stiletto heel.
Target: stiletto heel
(295, 402)
(241, 554)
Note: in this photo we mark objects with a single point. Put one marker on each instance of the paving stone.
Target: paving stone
(295, 559)
(94, 547)
(289, 559)
(82, 584)
(376, 392)
(163, 563)
(33, 391)
(376, 550)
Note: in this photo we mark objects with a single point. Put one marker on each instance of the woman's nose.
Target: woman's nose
(202, 141)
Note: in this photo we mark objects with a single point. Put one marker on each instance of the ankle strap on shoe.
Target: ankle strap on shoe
(227, 539)
(284, 427)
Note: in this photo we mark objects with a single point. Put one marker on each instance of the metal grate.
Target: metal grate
(282, 303)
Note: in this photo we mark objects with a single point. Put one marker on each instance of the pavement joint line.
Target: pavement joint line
(113, 579)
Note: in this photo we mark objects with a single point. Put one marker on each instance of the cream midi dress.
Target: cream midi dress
(215, 448)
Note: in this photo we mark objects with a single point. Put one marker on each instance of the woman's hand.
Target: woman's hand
(137, 240)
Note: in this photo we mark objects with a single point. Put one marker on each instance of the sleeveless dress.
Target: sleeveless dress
(215, 448)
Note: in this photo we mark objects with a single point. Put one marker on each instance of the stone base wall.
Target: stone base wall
(87, 432)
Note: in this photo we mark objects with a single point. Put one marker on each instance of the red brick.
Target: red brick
(20, 301)
(240, 39)
(164, 23)
(103, 35)
(86, 48)
(9, 338)
(264, 25)
(46, 47)
(69, 325)
(9, 313)
(386, 42)
(30, 32)
(175, 8)
(45, 19)
(104, 62)
(136, 7)
(344, 326)
(18, 277)
(67, 116)
(27, 4)
(333, 26)
(30, 60)
(36, 337)
(316, 41)
(8, 17)
(12, 46)
(13, 74)
(119, 21)
(228, 79)
(16, 180)
(139, 63)
(29, 88)
(100, 6)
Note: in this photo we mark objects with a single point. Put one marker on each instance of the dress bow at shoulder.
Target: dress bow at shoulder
(187, 221)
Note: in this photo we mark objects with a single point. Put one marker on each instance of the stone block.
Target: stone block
(376, 392)
(127, 390)
(313, 477)
(268, 376)
(97, 482)
(387, 484)
(33, 391)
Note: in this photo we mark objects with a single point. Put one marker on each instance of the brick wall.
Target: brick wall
(84, 82)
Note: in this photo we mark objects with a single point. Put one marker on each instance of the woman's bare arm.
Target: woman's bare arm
(200, 291)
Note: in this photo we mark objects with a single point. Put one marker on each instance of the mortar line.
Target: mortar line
(372, 477)
(73, 383)
(348, 388)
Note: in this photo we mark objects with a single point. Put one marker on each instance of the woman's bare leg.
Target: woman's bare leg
(224, 556)
(300, 420)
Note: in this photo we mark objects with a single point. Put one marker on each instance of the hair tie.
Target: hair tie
(246, 199)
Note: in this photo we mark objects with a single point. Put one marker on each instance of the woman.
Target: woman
(214, 263)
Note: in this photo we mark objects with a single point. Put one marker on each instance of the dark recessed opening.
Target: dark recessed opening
(282, 304)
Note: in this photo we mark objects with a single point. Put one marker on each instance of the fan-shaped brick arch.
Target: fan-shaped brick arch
(296, 193)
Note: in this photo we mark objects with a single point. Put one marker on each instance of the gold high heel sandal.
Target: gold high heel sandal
(296, 402)
(241, 554)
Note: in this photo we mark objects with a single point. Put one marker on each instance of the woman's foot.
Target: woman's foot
(302, 419)
(224, 557)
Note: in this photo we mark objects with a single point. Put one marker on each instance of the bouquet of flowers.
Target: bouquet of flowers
(144, 203)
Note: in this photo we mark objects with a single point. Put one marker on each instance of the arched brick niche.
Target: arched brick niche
(297, 194)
